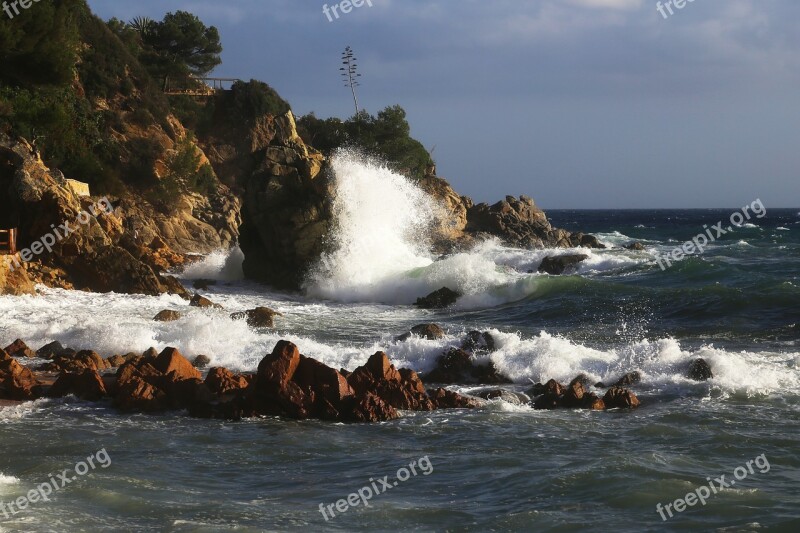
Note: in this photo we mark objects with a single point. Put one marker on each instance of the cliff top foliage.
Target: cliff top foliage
(386, 136)
(89, 93)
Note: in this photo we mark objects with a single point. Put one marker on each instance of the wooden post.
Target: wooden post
(12, 241)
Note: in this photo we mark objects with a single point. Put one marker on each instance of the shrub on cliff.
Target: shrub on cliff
(387, 137)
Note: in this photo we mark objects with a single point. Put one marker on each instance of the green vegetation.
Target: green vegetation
(387, 137)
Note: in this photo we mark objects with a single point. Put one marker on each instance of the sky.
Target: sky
(579, 104)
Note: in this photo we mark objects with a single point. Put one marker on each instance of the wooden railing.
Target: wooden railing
(8, 241)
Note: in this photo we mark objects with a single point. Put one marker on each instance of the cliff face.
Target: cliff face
(286, 206)
(287, 212)
(80, 238)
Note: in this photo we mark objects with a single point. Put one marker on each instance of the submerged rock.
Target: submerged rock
(514, 398)
(699, 370)
(431, 332)
(477, 342)
(631, 378)
(260, 317)
(85, 385)
(19, 350)
(618, 398)
(457, 366)
(440, 299)
(636, 246)
(557, 265)
(202, 301)
(167, 315)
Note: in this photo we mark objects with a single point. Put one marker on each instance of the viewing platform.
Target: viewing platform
(8, 241)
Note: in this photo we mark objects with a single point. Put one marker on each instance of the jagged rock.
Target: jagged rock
(167, 315)
(699, 370)
(86, 385)
(50, 350)
(618, 398)
(446, 399)
(17, 382)
(76, 362)
(116, 361)
(222, 381)
(201, 361)
(202, 301)
(370, 408)
(19, 349)
(431, 332)
(557, 265)
(636, 246)
(631, 378)
(440, 299)
(260, 317)
(203, 284)
(456, 366)
(514, 398)
(477, 342)
(171, 361)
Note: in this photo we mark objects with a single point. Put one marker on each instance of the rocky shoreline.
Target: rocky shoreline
(291, 385)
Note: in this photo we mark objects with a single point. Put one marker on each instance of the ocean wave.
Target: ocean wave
(222, 265)
(782, 228)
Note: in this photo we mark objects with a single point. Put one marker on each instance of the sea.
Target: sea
(720, 455)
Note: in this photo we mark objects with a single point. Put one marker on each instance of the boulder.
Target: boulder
(477, 342)
(135, 394)
(170, 361)
(559, 264)
(50, 350)
(636, 246)
(457, 366)
(201, 361)
(699, 370)
(116, 361)
(19, 349)
(431, 332)
(323, 381)
(440, 299)
(17, 382)
(167, 315)
(86, 385)
(514, 398)
(619, 398)
(68, 361)
(631, 378)
(370, 408)
(447, 399)
(222, 381)
(279, 367)
(202, 301)
(260, 317)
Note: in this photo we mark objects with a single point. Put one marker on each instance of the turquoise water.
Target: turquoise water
(498, 468)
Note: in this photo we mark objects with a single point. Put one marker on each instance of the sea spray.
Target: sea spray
(380, 224)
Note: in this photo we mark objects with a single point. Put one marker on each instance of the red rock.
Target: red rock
(324, 381)
(370, 408)
(620, 398)
(447, 399)
(573, 397)
(138, 395)
(17, 382)
(381, 368)
(222, 381)
(591, 401)
(115, 361)
(86, 385)
(170, 361)
(19, 350)
(279, 367)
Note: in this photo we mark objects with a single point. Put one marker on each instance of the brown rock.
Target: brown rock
(19, 350)
(86, 385)
(138, 395)
(325, 382)
(370, 408)
(440, 299)
(202, 301)
(446, 399)
(573, 397)
(116, 360)
(280, 366)
(171, 362)
(222, 381)
(617, 397)
(167, 315)
(17, 382)
(260, 317)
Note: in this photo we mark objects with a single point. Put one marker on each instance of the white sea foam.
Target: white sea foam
(782, 228)
(220, 266)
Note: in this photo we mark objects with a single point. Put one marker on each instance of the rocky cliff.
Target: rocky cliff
(287, 211)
